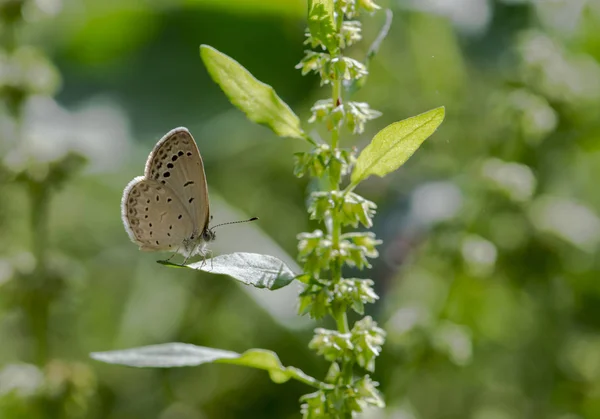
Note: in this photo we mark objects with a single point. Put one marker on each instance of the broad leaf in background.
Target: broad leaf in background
(394, 144)
(261, 271)
(177, 354)
(321, 23)
(256, 99)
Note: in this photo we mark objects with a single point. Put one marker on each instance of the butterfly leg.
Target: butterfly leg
(209, 252)
(204, 255)
(171, 257)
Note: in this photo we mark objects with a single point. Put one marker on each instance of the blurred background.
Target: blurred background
(489, 273)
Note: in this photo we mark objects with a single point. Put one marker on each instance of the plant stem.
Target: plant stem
(336, 94)
(39, 213)
(341, 319)
(38, 307)
(339, 312)
(307, 379)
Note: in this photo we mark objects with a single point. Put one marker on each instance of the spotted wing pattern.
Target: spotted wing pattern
(153, 216)
(175, 162)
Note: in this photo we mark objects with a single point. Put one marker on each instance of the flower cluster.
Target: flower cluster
(325, 252)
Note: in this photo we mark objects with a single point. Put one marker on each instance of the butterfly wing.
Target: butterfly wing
(176, 163)
(153, 216)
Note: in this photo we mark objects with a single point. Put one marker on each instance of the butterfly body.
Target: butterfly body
(167, 209)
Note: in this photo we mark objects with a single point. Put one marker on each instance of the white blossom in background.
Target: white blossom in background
(455, 341)
(407, 318)
(515, 179)
(37, 10)
(537, 117)
(28, 69)
(433, 202)
(479, 255)
(561, 76)
(23, 379)
(569, 220)
(563, 16)
(471, 17)
(97, 130)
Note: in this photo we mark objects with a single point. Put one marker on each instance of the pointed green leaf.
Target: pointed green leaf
(177, 354)
(166, 355)
(321, 23)
(261, 271)
(256, 99)
(394, 144)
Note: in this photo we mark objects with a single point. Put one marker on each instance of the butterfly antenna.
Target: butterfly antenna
(235, 222)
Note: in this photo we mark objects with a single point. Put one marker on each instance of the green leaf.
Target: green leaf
(169, 355)
(321, 23)
(261, 271)
(256, 99)
(394, 144)
(166, 355)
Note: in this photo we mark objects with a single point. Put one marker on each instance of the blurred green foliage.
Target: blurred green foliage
(489, 272)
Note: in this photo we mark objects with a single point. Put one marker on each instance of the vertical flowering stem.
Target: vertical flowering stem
(325, 254)
(351, 348)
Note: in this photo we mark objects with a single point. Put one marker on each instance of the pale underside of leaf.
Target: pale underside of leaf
(261, 271)
(177, 354)
(392, 146)
(256, 99)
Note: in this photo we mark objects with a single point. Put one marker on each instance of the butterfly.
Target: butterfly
(167, 209)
